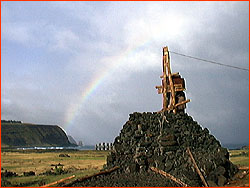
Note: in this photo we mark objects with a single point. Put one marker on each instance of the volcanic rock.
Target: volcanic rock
(161, 140)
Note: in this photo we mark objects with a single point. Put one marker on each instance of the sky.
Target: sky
(86, 66)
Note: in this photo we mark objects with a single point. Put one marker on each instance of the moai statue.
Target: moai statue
(108, 148)
(103, 144)
(100, 146)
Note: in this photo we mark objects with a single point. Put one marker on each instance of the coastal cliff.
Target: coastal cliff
(18, 134)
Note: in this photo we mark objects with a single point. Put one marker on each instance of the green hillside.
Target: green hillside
(17, 134)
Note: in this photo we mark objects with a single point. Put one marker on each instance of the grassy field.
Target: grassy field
(80, 163)
(240, 157)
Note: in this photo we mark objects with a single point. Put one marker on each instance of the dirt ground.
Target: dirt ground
(241, 179)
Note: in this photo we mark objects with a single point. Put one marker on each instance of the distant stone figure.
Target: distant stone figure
(104, 146)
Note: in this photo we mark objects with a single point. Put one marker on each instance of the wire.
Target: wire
(208, 61)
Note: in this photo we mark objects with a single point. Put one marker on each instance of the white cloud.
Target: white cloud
(17, 32)
(52, 37)
(65, 40)
(6, 101)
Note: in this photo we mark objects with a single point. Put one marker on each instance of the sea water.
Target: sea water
(58, 148)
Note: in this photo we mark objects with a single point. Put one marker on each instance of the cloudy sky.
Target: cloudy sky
(87, 65)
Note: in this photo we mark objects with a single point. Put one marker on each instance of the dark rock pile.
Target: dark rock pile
(161, 140)
(7, 174)
(143, 179)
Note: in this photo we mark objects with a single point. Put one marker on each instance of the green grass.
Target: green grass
(80, 163)
(239, 157)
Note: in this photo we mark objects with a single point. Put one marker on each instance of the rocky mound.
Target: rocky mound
(161, 141)
(143, 179)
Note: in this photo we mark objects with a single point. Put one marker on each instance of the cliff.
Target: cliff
(72, 140)
(16, 134)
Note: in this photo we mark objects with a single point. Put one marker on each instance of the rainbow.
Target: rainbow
(116, 61)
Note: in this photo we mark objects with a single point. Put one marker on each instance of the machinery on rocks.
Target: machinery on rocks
(167, 149)
(172, 88)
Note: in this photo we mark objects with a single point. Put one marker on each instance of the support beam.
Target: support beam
(176, 180)
(59, 181)
(160, 89)
(166, 54)
(90, 176)
(197, 168)
(183, 102)
(164, 81)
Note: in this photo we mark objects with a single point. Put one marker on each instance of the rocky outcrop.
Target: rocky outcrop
(72, 140)
(161, 140)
